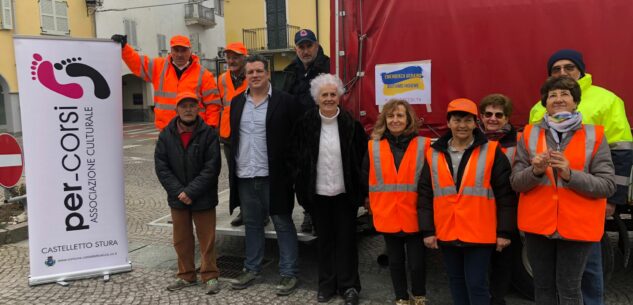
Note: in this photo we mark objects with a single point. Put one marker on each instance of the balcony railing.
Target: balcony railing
(198, 14)
(262, 39)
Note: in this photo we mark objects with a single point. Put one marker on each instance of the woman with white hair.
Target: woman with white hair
(328, 146)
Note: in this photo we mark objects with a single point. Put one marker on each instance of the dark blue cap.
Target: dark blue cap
(304, 35)
(569, 54)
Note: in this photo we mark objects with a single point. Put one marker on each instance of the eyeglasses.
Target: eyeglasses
(498, 115)
(568, 68)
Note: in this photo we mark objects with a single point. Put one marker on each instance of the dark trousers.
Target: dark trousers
(226, 149)
(335, 223)
(501, 268)
(409, 248)
(467, 269)
(184, 243)
(557, 266)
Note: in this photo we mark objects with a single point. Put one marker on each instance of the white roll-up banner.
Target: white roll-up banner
(70, 102)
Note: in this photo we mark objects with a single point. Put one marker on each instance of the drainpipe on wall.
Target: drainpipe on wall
(317, 18)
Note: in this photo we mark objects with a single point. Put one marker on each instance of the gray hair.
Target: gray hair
(325, 79)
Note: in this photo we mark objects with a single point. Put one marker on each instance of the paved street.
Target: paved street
(154, 260)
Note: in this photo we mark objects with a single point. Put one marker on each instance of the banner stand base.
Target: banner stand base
(62, 279)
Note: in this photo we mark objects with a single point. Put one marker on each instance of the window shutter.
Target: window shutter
(195, 43)
(61, 16)
(48, 16)
(126, 30)
(130, 31)
(7, 16)
(162, 45)
(133, 28)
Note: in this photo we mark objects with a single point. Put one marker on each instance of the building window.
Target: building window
(137, 98)
(6, 15)
(54, 15)
(130, 31)
(219, 7)
(3, 113)
(195, 43)
(162, 45)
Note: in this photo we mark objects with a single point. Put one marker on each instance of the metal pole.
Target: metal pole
(7, 194)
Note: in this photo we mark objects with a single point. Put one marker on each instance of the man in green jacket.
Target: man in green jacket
(598, 106)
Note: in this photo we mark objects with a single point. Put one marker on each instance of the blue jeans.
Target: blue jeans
(467, 269)
(592, 281)
(254, 204)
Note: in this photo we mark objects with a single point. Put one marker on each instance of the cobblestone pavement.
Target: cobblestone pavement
(154, 260)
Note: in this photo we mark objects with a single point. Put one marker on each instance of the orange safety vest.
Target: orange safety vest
(228, 92)
(511, 151)
(161, 73)
(550, 206)
(393, 194)
(470, 214)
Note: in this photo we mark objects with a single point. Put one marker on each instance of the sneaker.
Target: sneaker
(180, 284)
(306, 225)
(213, 286)
(418, 300)
(266, 221)
(245, 279)
(286, 285)
(238, 220)
(351, 297)
(403, 302)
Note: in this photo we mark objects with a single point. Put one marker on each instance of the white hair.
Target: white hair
(325, 79)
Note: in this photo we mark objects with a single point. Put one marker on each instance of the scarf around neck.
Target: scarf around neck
(562, 123)
(495, 135)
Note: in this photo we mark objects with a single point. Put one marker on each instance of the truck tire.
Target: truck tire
(522, 279)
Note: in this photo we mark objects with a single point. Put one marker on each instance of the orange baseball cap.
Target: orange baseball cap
(180, 40)
(463, 104)
(236, 47)
(185, 95)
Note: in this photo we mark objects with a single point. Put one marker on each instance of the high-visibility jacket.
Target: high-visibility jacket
(470, 213)
(393, 194)
(228, 92)
(550, 207)
(161, 73)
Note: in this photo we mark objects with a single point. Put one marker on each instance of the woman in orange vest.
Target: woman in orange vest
(393, 165)
(495, 111)
(468, 208)
(563, 172)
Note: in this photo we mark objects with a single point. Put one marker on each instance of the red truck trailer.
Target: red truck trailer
(478, 47)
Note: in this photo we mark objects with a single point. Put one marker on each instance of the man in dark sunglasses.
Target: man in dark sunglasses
(600, 107)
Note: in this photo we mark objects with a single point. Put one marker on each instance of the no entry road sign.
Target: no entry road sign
(11, 163)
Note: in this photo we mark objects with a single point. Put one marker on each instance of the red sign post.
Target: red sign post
(11, 162)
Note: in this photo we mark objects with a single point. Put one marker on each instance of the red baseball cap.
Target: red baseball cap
(180, 40)
(236, 47)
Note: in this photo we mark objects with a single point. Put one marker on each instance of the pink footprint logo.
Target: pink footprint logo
(43, 71)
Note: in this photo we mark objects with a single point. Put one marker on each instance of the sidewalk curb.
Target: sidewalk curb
(14, 233)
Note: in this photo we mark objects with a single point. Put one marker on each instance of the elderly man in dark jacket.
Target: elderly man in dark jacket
(310, 62)
(187, 160)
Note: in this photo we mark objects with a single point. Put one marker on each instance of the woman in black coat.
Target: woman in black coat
(328, 145)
